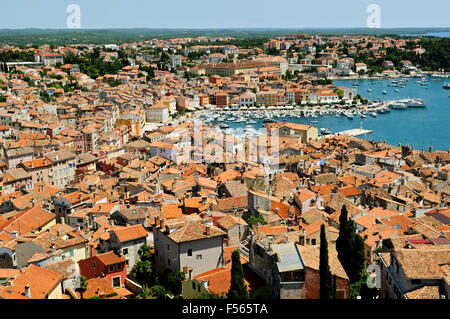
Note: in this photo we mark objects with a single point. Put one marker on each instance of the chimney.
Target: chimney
(431, 149)
(58, 232)
(78, 228)
(156, 221)
(27, 291)
(207, 231)
(53, 248)
(14, 234)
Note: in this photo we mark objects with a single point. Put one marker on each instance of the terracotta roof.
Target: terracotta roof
(423, 263)
(229, 221)
(110, 258)
(349, 191)
(41, 282)
(194, 230)
(425, 292)
(130, 233)
(310, 257)
(231, 202)
(28, 221)
(96, 284)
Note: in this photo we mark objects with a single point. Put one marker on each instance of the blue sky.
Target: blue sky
(224, 14)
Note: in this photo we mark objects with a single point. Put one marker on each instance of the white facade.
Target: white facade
(157, 113)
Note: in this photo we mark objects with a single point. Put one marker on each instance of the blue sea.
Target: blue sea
(419, 127)
(429, 34)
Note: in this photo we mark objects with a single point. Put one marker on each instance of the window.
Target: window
(199, 257)
(94, 265)
(125, 251)
(119, 266)
(168, 262)
(111, 268)
(193, 285)
(116, 281)
(313, 241)
(71, 253)
(168, 247)
(189, 252)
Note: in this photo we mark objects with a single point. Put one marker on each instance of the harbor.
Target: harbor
(403, 115)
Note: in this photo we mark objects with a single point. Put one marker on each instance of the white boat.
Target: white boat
(373, 114)
(397, 90)
(384, 92)
(399, 106)
(369, 90)
(446, 85)
(325, 131)
(415, 103)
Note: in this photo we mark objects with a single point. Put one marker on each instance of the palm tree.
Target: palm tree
(83, 286)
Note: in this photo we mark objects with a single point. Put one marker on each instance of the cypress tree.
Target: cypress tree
(238, 289)
(334, 288)
(343, 241)
(350, 247)
(324, 267)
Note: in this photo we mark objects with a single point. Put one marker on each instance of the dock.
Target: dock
(353, 132)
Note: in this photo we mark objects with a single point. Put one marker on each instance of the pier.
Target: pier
(353, 132)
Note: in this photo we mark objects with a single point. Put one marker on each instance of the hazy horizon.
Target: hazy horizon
(203, 14)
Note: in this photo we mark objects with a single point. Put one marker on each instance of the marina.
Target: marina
(397, 117)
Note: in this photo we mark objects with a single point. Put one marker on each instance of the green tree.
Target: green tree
(144, 253)
(238, 288)
(174, 282)
(158, 291)
(334, 288)
(142, 272)
(350, 247)
(324, 267)
(252, 220)
(206, 295)
(83, 286)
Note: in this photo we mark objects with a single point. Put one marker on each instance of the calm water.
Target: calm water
(430, 34)
(419, 127)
